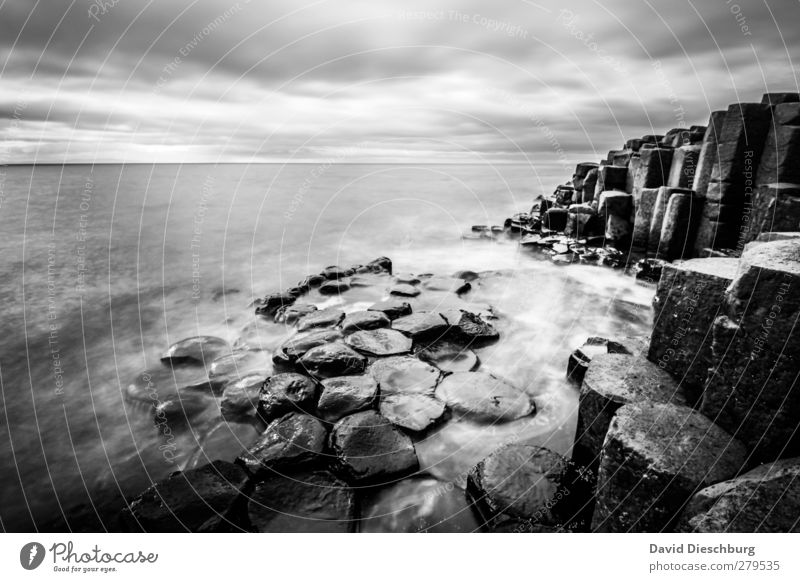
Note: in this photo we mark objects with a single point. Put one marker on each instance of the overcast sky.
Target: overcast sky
(437, 81)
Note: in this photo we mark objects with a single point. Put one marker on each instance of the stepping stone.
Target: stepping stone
(379, 342)
(289, 441)
(302, 502)
(365, 320)
(393, 308)
(240, 398)
(345, 395)
(284, 393)
(372, 451)
(202, 349)
(334, 359)
(469, 329)
(293, 349)
(406, 279)
(414, 412)
(403, 290)
(290, 314)
(404, 375)
(427, 325)
(334, 287)
(484, 397)
(450, 284)
(449, 357)
(323, 318)
(272, 303)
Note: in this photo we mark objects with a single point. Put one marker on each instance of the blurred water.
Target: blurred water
(105, 266)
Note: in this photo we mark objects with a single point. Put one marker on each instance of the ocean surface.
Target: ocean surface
(103, 267)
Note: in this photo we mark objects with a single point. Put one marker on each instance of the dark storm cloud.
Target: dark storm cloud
(306, 80)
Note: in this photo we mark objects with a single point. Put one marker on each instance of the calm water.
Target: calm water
(103, 267)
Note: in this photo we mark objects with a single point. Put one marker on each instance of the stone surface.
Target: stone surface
(428, 325)
(239, 364)
(684, 166)
(677, 229)
(404, 290)
(618, 229)
(764, 500)
(779, 159)
(202, 349)
(615, 203)
(380, 265)
(655, 457)
(449, 284)
(290, 314)
(175, 411)
(610, 178)
(555, 219)
(654, 167)
(776, 207)
(283, 393)
(334, 359)
(194, 500)
(657, 221)
(404, 375)
(469, 329)
(345, 395)
(302, 502)
(449, 357)
(484, 397)
(414, 412)
(379, 342)
(364, 320)
(370, 450)
(708, 153)
(290, 441)
(334, 287)
(393, 308)
(330, 317)
(644, 201)
(271, 303)
(294, 348)
(589, 186)
(240, 398)
(157, 384)
(580, 359)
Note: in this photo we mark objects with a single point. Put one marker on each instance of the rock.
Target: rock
(764, 500)
(778, 160)
(649, 270)
(294, 348)
(194, 500)
(312, 281)
(202, 349)
(611, 381)
(776, 99)
(345, 395)
(370, 450)
(618, 229)
(365, 320)
(334, 359)
(379, 342)
(469, 329)
(580, 359)
(271, 303)
(334, 272)
(334, 287)
(527, 482)
(449, 284)
(776, 207)
(329, 317)
(659, 213)
(404, 375)
(589, 186)
(689, 297)
(237, 365)
(655, 457)
(290, 314)
(744, 130)
(302, 502)
(787, 114)
(449, 357)
(644, 202)
(653, 170)
(290, 441)
(466, 275)
(610, 178)
(426, 325)
(614, 203)
(677, 230)
(414, 412)
(408, 278)
(555, 219)
(484, 397)
(708, 153)
(403, 290)
(581, 171)
(284, 393)
(240, 398)
(684, 166)
(393, 308)
(381, 264)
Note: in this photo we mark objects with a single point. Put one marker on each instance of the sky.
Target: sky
(375, 81)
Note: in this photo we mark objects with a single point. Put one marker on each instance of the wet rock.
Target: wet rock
(154, 385)
(448, 284)
(611, 381)
(195, 500)
(555, 219)
(406, 279)
(644, 201)
(764, 500)
(290, 314)
(290, 441)
(283, 393)
(271, 303)
(580, 359)
(345, 395)
(526, 482)
(649, 270)
(329, 317)
(176, 410)
(256, 335)
(334, 359)
(403, 290)
(379, 342)
(312, 281)
(226, 439)
(294, 348)
(393, 308)
(484, 397)
(370, 450)
(381, 264)
(615, 203)
(414, 412)
(240, 398)
(334, 287)
(365, 320)
(421, 325)
(202, 349)
(404, 375)
(334, 272)
(467, 276)
(303, 502)
(655, 457)
(449, 357)
(469, 329)
(237, 365)
(677, 230)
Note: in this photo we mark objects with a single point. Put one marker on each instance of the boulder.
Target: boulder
(580, 359)
(380, 265)
(334, 359)
(290, 314)
(404, 375)
(449, 357)
(392, 308)
(334, 287)
(370, 450)
(294, 348)
(201, 499)
(364, 320)
(764, 500)
(157, 384)
(330, 317)
(404, 290)
(414, 412)
(484, 397)
(302, 502)
(654, 167)
(408, 278)
(345, 395)
(240, 398)
(174, 411)
(427, 325)
(202, 349)
(379, 342)
(655, 458)
(741, 142)
(283, 393)
(272, 303)
(644, 202)
(659, 212)
(290, 441)
(469, 329)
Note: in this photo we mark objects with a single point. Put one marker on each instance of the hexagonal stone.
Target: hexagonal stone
(290, 314)
(449, 357)
(305, 502)
(289, 441)
(414, 412)
(323, 318)
(284, 393)
(393, 308)
(334, 287)
(202, 349)
(379, 342)
(364, 320)
(484, 397)
(294, 348)
(403, 290)
(370, 450)
(469, 328)
(427, 325)
(271, 303)
(404, 375)
(345, 395)
(406, 279)
(334, 359)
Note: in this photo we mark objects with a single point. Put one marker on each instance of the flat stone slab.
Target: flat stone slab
(393, 308)
(290, 314)
(469, 328)
(449, 357)
(414, 412)
(302, 502)
(764, 500)
(371, 450)
(202, 349)
(330, 317)
(428, 325)
(345, 395)
(289, 441)
(284, 393)
(484, 397)
(404, 290)
(404, 375)
(379, 342)
(449, 284)
(406, 279)
(335, 287)
(654, 458)
(239, 364)
(294, 348)
(365, 320)
(240, 398)
(334, 359)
